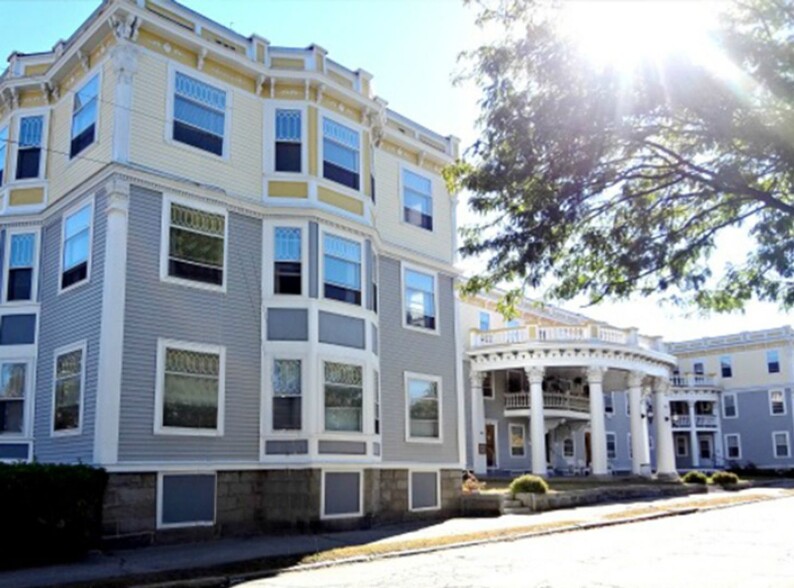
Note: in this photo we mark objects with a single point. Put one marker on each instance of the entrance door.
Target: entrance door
(588, 454)
(490, 445)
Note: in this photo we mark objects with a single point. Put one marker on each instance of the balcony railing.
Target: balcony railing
(693, 381)
(529, 333)
(551, 401)
(702, 421)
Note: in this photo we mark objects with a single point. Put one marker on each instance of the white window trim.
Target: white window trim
(66, 213)
(14, 148)
(159, 392)
(267, 408)
(360, 511)
(709, 440)
(359, 194)
(614, 443)
(573, 444)
(160, 524)
(735, 405)
(34, 284)
(783, 396)
(321, 270)
(173, 69)
(486, 375)
(269, 151)
(269, 257)
(479, 320)
(766, 359)
(738, 445)
(165, 242)
(523, 436)
(730, 365)
(366, 423)
(426, 175)
(27, 407)
(91, 146)
(413, 471)
(609, 413)
(83, 347)
(439, 388)
(405, 266)
(685, 446)
(774, 445)
(5, 163)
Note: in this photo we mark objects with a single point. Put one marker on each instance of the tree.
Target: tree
(588, 181)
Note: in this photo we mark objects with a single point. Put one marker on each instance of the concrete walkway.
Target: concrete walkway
(249, 557)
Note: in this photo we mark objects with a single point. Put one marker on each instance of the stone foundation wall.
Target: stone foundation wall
(130, 509)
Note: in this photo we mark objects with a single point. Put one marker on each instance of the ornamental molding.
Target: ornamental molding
(535, 374)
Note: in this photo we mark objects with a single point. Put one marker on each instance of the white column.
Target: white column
(598, 429)
(124, 56)
(635, 410)
(694, 446)
(111, 333)
(537, 427)
(479, 462)
(646, 443)
(665, 458)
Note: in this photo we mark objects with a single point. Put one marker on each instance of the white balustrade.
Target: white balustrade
(551, 401)
(562, 333)
(611, 335)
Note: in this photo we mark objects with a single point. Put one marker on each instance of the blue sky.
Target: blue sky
(411, 47)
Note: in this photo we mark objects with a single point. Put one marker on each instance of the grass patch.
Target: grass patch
(696, 503)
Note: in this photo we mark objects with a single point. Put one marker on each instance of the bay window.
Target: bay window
(341, 151)
(342, 269)
(287, 392)
(344, 391)
(288, 140)
(29, 159)
(287, 261)
(21, 267)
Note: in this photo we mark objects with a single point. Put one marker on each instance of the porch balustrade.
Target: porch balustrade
(551, 401)
(702, 421)
(693, 381)
(536, 333)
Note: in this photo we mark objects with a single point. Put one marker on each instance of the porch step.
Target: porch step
(521, 510)
(507, 503)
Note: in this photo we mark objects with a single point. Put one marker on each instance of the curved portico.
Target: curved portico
(566, 371)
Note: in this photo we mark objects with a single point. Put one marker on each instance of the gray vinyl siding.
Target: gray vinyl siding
(408, 350)
(65, 319)
(314, 264)
(157, 309)
(755, 425)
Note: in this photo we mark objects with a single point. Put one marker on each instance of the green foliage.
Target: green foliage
(724, 478)
(695, 478)
(49, 513)
(528, 484)
(588, 181)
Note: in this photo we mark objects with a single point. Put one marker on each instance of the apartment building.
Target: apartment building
(227, 277)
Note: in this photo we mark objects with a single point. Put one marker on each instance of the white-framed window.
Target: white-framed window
(3, 153)
(419, 299)
(21, 263)
(424, 490)
(84, 116)
(199, 115)
(780, 443)
(14, 377)
(681, 446)
(341, 154)
(733, 446)
(288, 151)
(287, 394)
(342, 493)
(487, 386)
(341, 269)
(186, 499)
(518, 440)
(190, 391)
(609, 404)
(705, 447)
(417, 192)
(376, 396)
(612, 446)
(772, 361)
(698, 367)
(68, 389)
(568, 448)
(726, 367)
(777, 402)
(485, 321)
(76, 238)
(287, 261)
(730, 406)
(30, 162)
(194, 244)
(343, 386)
(423, 404)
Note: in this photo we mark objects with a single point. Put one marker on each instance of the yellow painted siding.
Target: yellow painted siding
(35, 70)
(290, 91)
(342, 108)
(340, 200)
(240, 174)
(167, 48)
(287, 63)
(340, 79)
(365, 87)
(172, 16)
(26, 196)
(438, 242)
(748, 365)
(260, 53)
(32, 99)
(65, 174)
(288, 189)
(225, 74)
(312, 131)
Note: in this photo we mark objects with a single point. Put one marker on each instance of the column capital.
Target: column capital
(595, 374)
(118, 196)
(124, 56)
(635, 379)
(535, 374)
(661, 385)
(476, 379)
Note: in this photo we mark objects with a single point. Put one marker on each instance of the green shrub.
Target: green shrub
(724, 478)
(695, 478)
(49, 513)
(528, 484)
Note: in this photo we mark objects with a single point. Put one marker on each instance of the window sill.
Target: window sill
(72, 287)
(194, 284)
(69, 433)
(422, 330)
(422, 440)
(186, 432)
